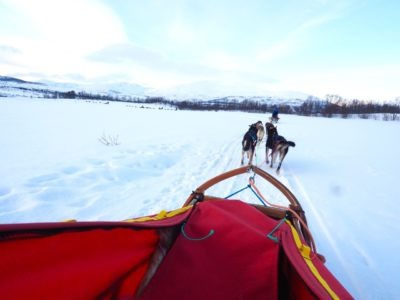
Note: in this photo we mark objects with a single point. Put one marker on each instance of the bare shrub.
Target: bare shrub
(109, 140)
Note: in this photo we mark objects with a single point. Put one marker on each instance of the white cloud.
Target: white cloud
(294, 40)
(223, 61)
(60, 33)
(86, 24)
(363, 83)
(261, 44)
(180, 33)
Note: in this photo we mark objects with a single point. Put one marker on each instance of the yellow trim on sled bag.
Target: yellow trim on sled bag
(161, 215)
(305, 252)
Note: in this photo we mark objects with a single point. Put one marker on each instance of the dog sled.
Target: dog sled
(274, 120)
(210, 248)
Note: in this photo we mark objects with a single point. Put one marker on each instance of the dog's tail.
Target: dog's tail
(290, 143)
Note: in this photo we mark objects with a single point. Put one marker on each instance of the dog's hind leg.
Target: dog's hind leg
(274, 154)
(281, 158)
(279, 166)
(251, 154)
(273, 157)
(244, 145)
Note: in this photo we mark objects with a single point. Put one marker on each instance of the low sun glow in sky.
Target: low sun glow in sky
(345, 47)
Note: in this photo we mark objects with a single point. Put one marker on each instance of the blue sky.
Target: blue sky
(350, 48)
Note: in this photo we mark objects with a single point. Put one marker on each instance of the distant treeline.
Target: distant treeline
(332, 105)
(328, 108)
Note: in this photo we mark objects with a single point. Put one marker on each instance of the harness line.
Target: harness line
(251, 181)
(270, 235)
(264, 202)
(237, 192)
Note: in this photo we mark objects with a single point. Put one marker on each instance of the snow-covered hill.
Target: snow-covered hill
(12, 87)
(229, 91)
(198, 91)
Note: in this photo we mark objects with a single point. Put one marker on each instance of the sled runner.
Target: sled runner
(274, 120)
(211, 248)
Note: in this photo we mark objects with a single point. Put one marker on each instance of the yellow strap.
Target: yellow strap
(305, 252)
(161, 215)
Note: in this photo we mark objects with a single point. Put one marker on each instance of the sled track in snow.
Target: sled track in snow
(312, 214)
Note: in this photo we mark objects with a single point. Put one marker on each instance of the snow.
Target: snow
(343, 171)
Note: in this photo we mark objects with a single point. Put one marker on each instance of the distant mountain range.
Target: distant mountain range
(12, 87)
(201, 91)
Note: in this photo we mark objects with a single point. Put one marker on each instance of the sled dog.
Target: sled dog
(272, 131)
(281, 148)
(260, 134)
(249, 142)
(274, 119)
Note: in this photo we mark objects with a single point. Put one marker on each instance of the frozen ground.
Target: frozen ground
(343, 171)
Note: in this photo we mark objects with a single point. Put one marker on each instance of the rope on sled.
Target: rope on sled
(237, 192)
(251, 182)
(264, 202)
(270, 235)
(242, 189)
(258, 197)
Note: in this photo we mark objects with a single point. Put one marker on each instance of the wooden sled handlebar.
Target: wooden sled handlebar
(276, 183)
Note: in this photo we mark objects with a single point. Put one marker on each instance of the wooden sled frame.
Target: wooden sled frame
(294, 210)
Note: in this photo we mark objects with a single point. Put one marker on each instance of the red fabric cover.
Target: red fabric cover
(75, 264)
(300, 266)
(108, 259)
(237, 262)
(292, 286)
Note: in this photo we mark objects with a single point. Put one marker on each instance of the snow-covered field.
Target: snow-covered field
(343, 171)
